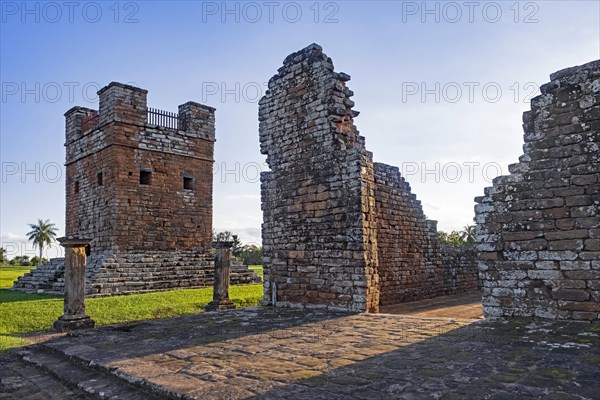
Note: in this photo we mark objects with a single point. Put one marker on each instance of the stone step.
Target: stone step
(98, 382)
(20, 380)
(144, 273)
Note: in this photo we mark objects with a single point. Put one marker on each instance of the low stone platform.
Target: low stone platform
(268, 353)
(127, 273)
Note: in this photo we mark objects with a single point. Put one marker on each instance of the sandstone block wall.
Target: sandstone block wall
(407, 261)
(460, 269)
(412, 263)
(338, 230)
(539, 227)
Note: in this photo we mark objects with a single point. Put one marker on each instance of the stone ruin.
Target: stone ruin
(539, 227)
(139, 184)
(340, 231)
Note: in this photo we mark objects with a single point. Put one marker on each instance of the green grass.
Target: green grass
(22, 313)
(11, 342)
(9, 274)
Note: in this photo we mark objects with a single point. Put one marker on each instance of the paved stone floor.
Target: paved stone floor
(463, 305)
(267, 353)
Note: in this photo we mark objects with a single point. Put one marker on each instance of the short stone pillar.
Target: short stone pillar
(74, 309)
(221, 286)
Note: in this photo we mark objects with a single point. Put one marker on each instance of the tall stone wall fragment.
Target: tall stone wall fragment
(539, 227)
(339, 231)
(318, 249)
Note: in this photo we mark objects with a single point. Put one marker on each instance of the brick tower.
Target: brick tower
(139, 184)
(138, 178)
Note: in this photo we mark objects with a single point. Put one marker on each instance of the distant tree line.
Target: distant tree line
(249, 254)
(23, 261)
(466, 237)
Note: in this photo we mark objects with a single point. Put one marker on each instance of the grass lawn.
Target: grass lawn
(9, 274)
(22, 313)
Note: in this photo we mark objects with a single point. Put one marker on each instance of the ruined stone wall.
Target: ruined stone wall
(408, 267)
(338, 230)
(460, 269)
(539, 227)
(412, 263)
(117, 210)
(318, 209)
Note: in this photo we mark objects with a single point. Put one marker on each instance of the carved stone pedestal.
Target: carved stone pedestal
(74, 307)
(221, 285)
(63, 324)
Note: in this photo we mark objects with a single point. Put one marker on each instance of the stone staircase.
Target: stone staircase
(85, 380)
(43, 278)
(126, 273)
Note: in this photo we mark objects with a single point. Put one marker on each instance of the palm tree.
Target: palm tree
(42, 234)
(468, 234)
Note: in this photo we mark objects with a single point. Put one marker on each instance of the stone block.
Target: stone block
(571, 294)
(544, 274)
(573, 244)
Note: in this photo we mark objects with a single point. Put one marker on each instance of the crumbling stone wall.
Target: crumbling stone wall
(318, 211)
(413, 265)
(460, 269)
(539, 227)
(408, 265)
(139, 184)
(338, 230)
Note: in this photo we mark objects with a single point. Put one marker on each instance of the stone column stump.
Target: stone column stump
(221, 285)
(74, 309)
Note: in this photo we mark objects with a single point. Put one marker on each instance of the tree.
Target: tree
(42, 234)
(468, 234)
(35, 261)
(20, 260)
(3, 258)
(453, 238)
(251, 254)
(227, 236)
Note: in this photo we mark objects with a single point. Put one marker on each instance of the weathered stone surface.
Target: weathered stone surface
(221, 299)
(74, 316)
(119, 209)
(274, 353)
(340, 231)
(412, 264)
(547, 210)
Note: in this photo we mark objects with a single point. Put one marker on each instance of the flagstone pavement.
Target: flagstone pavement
(273, 353)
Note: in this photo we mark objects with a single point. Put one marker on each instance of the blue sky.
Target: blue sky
(441, 86)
